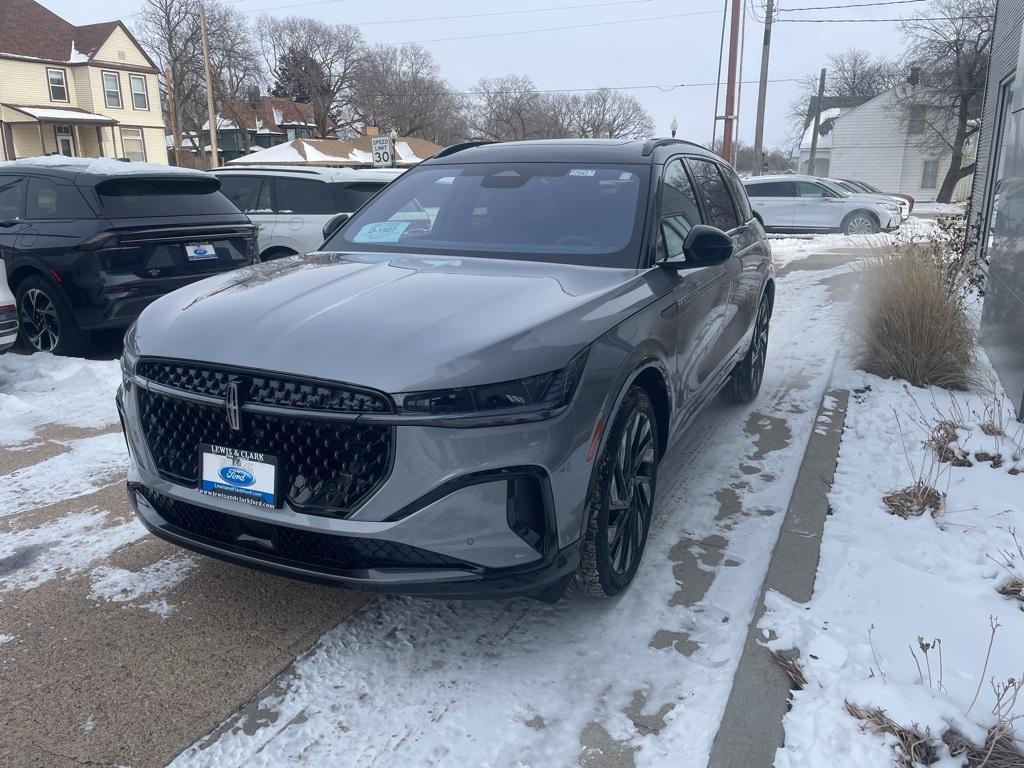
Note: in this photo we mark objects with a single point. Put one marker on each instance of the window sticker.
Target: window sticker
(381, 232)
(625, 176)
(582, 172)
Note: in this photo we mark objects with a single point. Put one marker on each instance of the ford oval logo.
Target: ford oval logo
(200, 251)
(236, 476)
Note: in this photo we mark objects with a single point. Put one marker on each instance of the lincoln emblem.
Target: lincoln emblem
(233, 407)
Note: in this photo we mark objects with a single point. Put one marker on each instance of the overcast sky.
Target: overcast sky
(618, 50)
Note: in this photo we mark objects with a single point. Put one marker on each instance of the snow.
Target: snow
(77, 57)
(359, 156)
(278, 116)
(154, 582)
(405, 153)
(68, 115)
(883, 582)
(282, 153)
(64, 546)
(824, 141)
(6, 638)
(87, 465)
(789, 248)
(940, 209)
(102, 166)
(44, 389)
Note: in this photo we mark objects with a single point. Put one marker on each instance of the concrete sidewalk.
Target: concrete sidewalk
(751, 729)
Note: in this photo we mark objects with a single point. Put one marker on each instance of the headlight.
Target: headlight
(542, 392)
(130, 355)
(891, 207)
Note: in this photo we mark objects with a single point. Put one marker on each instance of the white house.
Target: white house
(881, 143)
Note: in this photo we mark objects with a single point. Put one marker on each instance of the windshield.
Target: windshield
(571, 213)
(833, 187)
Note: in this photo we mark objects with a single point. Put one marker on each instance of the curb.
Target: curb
(751, 728)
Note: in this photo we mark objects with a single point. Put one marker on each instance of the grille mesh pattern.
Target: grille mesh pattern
(324, 467)
(262, 388)
(296, 546)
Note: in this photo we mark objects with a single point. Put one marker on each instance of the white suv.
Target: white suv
(794, 203)
(292, 206)
(8, 312)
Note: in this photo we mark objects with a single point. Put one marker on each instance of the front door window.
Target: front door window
(65, 140)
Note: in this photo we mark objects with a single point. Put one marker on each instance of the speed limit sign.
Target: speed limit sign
(383, 152)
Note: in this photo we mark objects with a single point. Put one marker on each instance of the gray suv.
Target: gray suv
(794, 203)
(468, 392)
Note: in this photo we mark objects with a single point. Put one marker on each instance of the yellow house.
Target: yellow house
(88, 91)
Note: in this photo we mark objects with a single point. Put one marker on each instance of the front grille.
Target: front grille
(293, 545)
(266, 389)
(324, 466)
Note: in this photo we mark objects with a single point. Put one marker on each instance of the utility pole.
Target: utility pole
(728, 126)
(817, 122)
(172, 112)
(209, 88)
(762, 90)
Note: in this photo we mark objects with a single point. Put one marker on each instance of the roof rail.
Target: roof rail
(453, 148)
(652, 144)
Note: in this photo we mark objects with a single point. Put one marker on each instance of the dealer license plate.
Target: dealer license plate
(200, 252)
(246, 476)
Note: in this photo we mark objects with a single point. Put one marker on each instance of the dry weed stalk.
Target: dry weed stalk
(922, 495)
(792, 667)
(912, 748)
(1008, 559)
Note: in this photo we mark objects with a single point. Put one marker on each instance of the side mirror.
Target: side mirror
(704, 247)
(334, 224)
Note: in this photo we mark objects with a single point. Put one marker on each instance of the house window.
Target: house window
(1005, 139)
(65, 140)
(290, 133)
(134, 146)
(58, 82)
(918, 120)
(112, 90)
(140, 98)
(930, 174)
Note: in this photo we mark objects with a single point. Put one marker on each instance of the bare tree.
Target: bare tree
(509, 108)
(324, 59)
(235, 64)
(401, 88)
(608, 114)
(950, 42)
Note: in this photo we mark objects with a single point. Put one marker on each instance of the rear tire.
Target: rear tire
(46, 321)
(745, 380)
(621, 501)
(860, 223)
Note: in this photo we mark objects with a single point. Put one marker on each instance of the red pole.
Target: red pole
(730, 85)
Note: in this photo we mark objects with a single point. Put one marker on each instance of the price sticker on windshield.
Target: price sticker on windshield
(381, 232)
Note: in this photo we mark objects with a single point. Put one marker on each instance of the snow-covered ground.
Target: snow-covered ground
(786, 249)
(886, 584)
(939, 209)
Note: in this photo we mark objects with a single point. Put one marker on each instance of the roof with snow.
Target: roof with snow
(62, 114)
(338, 152)
(828, 118)
(833, 102)
(28, 30)
(269, 114)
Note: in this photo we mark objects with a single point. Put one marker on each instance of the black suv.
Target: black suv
(87, 251)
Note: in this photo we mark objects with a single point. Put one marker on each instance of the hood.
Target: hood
(865, 197)
(397, 323)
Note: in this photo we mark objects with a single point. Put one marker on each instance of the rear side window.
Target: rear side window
(245, 192)
(350, 197)
(302, 196)
(718, 203)
(48, 199)
(772, 189)
(132, 197)
(739, 195)
(807, 189)
(679, 210)
(12, 198)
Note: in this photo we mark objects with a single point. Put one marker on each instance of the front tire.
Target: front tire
(860, 223)
(46, 321)
(745, 380)
(622, 500)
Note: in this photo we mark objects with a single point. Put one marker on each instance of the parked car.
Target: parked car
(795, 203)
(852, 189)
(862, 186)
(8, 312)
(293, 206)
(87, 244)
(468, 393)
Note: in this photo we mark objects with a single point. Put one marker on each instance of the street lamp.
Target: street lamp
(674, 127)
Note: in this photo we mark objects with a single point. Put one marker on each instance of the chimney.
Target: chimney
(914, 78)
(371, 130)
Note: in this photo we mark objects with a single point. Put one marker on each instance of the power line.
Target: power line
(449, 18)
(873, 21)
(562, 29)
(850, 5)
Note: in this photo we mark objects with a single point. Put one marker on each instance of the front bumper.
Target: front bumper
(449, 507)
